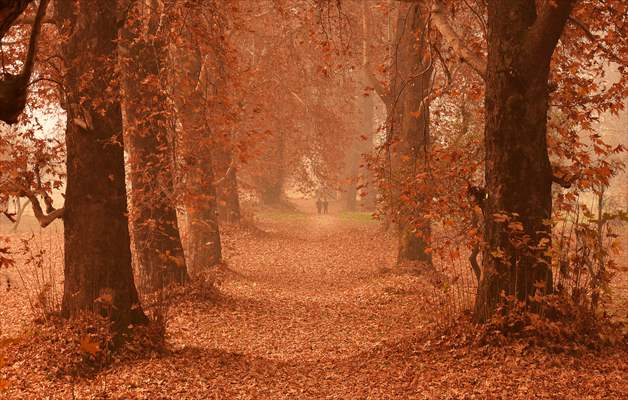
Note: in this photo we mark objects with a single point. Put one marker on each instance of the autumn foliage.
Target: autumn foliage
(161, 162)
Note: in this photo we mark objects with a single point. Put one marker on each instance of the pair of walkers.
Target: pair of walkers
(322, 205)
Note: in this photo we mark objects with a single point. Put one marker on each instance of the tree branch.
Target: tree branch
(43, 219)
(10, 11)
(542, 37)
(476, 61)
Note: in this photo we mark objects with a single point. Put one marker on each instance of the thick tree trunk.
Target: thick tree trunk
(148, 137)
(410, 129)
(98, 272)
(518, 171)
(199, 197)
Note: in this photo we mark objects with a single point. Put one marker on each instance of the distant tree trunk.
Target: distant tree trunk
(98, 273)
(227, 188)
(350, 191)
(271, 183)
(518, 171)
(367, 194)
(195, 150)
(148, 136)
(411, 86)
(272, 193)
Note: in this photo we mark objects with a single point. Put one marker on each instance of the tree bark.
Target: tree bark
(195, 150)
(518, 172)
(98, 272)
(410, 128)
(149, 131)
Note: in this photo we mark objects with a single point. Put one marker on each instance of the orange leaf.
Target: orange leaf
(87, 346)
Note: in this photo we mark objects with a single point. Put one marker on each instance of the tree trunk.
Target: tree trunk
(148, 137)
(350, 192)
(199, 197)
(98, 272)
(271, 182)
(518, 171)
(227, 188)
(410, 129)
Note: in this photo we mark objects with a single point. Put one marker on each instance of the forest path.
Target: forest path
(312, 289)
(311, 309)
(302, 309)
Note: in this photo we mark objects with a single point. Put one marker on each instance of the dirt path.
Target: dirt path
(309, 291)
(309, 310)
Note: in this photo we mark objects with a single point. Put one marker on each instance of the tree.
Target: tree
(410, 138)
(521, 42)
(198, 191)
(98, 272)
(149, 132)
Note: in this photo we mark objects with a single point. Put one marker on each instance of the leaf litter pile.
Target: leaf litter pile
(310, 307)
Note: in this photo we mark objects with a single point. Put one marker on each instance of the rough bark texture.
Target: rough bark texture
(148, 137)
(518, 171)
(98, 273)
(410, 126)
(195, 150)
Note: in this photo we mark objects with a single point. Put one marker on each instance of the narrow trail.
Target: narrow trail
(311, 290)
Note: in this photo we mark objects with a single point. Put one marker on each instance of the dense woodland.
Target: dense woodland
(313, 199)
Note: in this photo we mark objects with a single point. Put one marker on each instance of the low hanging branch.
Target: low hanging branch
(43, 218)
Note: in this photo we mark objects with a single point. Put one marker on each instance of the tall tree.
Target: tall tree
(199, 192)
(522, 37)
(98, 272)
(149, 133)
(410, 137)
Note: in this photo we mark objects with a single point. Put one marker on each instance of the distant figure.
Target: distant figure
(325, 205)
(319, 205)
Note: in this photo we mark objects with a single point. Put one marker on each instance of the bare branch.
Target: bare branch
(43, 219)
(476, 61)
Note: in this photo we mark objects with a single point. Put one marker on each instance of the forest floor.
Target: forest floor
(310, 307)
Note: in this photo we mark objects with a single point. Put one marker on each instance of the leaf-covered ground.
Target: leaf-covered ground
(311, 308)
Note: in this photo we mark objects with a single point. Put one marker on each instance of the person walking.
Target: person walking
(325, 205)
(319, 205)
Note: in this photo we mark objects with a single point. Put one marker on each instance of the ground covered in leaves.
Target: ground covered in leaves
(307, 306)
